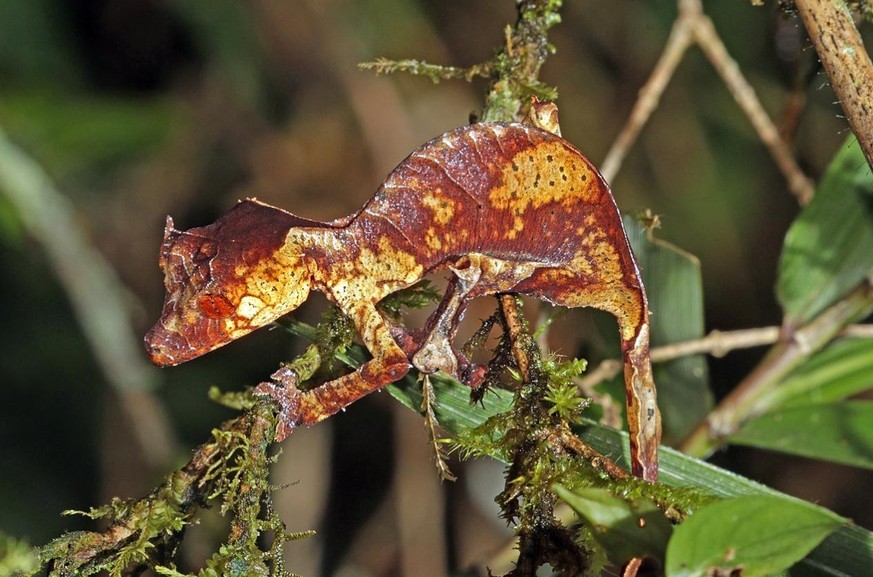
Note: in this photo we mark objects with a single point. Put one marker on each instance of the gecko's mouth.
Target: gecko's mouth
(164, 347)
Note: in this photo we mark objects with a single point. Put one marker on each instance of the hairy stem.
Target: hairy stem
(838, 43)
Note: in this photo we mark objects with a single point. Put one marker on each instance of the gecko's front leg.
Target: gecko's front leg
(389, 364)
(435, 350)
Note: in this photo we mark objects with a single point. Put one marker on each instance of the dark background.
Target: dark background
(141, 108)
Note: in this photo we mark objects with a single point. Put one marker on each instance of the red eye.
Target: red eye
(215, 306)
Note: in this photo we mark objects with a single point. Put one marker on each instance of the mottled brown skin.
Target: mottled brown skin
(507, 207)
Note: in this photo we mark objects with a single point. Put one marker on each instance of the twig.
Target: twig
(650, 95)
(436, 72)
(744, 95)
(838, 43)
(96, 294)
(716, 343)
(693, 25)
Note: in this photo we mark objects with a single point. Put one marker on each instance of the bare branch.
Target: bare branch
(744, 95)
(693, 25)
(716, 343)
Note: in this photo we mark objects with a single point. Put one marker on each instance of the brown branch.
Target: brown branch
(716, 343)
(838, 43)
(650, 95)
(744, 95)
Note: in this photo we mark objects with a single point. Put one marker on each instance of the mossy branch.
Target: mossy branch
(231, 469)
(514, 70)
(436, 72)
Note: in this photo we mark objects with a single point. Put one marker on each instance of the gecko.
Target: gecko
(506, 207)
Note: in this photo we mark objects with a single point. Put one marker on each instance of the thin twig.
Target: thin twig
(716, 343)
(650, 95)
(744, 95)
(749, 398)
(693, 25)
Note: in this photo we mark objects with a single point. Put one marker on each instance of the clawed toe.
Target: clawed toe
(284, 392)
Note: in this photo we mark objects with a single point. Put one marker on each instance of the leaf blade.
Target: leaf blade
(625, 529)
(754, 534)
(838, 432)
(842, 369)
(827, 248)
(674, 287)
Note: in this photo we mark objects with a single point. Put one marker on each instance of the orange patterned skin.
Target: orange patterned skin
(507, 207)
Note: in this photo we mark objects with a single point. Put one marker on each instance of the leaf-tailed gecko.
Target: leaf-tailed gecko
(507, 207)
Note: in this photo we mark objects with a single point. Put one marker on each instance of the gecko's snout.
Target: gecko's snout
(161, 347)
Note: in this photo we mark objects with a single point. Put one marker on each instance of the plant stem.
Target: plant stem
(751, 397)
(95, 292)
(839, 46)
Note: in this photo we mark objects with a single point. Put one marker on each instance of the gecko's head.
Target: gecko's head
(222, 282)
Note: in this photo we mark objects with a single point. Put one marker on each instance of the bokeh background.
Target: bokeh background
(141, 108)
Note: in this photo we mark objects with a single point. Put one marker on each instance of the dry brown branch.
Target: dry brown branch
(716, 343)
(650, 95)
(743, 93)
(693, 26)
(838, 43)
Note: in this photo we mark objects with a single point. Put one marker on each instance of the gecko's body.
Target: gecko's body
(508, 207)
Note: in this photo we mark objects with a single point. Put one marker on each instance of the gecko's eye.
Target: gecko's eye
(215, 306)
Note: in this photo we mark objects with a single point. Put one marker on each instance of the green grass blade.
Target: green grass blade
(675, 291)
(846, 552)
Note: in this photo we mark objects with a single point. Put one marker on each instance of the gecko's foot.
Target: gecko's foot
(284, 392)
(473, 375)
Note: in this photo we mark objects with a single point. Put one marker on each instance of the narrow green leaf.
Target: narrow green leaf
(844, 368)
(827, 249)
(752, 536)
(675, 291)
(839, 432)
(624, 529)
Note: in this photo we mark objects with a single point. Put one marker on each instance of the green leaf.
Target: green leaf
(839, 432)
(752, 535)
(675, 292)
(827, 249)
(624, 529)
(841, 370)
